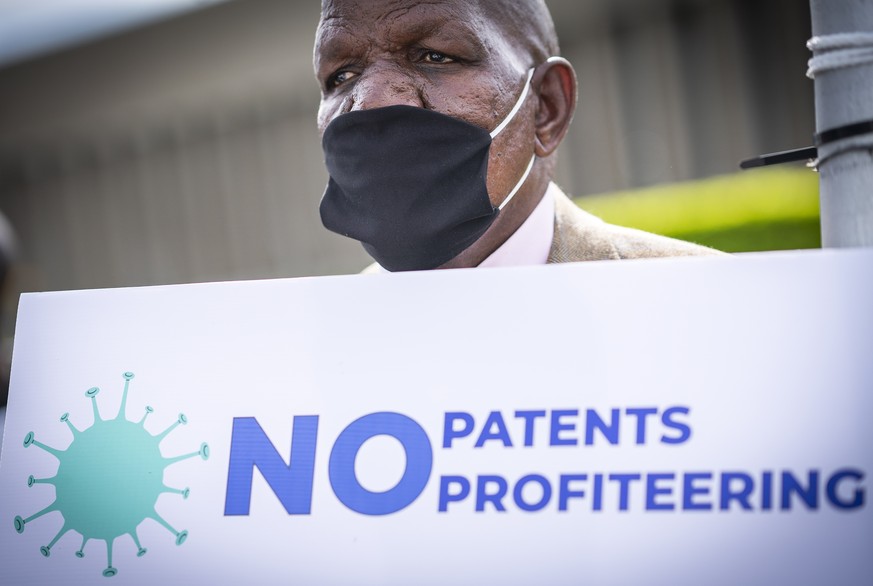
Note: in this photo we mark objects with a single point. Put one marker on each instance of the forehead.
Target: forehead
(397, 22)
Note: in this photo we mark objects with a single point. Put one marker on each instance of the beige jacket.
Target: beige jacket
(580, 236)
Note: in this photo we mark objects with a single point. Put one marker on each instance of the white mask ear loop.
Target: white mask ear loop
(519, 184)
(504, 124)
(515, 108)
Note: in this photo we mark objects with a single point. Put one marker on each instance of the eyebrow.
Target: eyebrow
(451, 29)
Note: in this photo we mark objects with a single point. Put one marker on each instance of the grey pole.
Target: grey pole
(843, 71)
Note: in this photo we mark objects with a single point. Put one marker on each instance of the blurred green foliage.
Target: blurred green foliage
(769, 209)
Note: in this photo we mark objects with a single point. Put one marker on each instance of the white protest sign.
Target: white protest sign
(678, 421)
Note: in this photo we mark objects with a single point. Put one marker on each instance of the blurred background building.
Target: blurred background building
(185, 149)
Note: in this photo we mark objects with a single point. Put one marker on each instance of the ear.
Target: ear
(556, 85)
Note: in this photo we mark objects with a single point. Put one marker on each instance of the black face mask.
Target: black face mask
(410, 183)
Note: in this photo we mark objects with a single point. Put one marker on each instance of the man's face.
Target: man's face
(445, 56)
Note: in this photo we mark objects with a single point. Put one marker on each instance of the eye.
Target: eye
(436, 57)
(340, 78)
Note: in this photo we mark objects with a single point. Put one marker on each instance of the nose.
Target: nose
(382, 86)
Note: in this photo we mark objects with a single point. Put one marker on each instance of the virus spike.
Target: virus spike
(203, 452)
(183, 491)
(30, 439)
(31, 480)
(109, 571)
(182, 420)
(92, 394)
(121, 410)
(148, 410)
(20, 523)
(140, 550)
(181, 536)
(65, 418)
(46, 550)
(81, 553)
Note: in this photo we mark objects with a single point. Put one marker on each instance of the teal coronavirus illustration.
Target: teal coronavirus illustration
(109, 479)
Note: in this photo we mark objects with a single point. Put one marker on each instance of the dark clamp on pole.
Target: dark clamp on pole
(810, 153)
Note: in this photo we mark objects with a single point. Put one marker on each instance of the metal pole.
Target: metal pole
(843, 71)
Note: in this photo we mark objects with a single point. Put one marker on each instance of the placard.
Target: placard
(680, 421)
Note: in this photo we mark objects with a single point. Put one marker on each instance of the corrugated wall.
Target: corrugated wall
(224, 196)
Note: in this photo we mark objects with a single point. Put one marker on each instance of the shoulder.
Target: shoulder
(580, 236)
